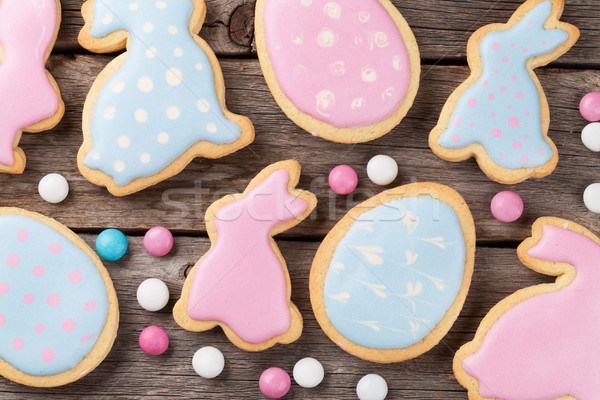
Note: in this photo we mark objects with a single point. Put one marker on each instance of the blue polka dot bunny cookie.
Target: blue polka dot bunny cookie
(58, 309)
(500, 115)
(159, 105)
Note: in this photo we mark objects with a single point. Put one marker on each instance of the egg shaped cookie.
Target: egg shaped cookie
(58, 308)
(391, 277)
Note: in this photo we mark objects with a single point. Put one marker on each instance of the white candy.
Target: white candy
(591, 198)
(53, 188)
(308, 372)
(591, 136)
(153, 294)
(382, 170)
(208, 362)
(372, 387)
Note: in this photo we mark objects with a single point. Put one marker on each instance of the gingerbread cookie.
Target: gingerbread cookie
(242, 283)
(500, 115)
(58, 308)
(31, 99)
(345, 70)
(391, 277)
(159, 105)
(542, 342)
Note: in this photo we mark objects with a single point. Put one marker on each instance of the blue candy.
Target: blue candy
(111, 244)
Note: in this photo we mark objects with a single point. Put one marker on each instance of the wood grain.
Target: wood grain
(129, 373)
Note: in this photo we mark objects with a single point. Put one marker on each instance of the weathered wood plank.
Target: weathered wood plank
(129, 373)
(442, 27)
(180, 202)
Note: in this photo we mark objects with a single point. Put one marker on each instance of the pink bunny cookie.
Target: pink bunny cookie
(242, 283)
(542, 342)
(29, 95)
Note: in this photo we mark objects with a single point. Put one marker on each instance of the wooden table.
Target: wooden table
(442, 28)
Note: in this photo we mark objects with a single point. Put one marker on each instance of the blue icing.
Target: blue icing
(20, 345)
(395, 273)
(162, 100)
(502, 110)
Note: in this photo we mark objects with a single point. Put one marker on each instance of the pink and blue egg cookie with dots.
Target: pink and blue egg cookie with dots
(57, 303)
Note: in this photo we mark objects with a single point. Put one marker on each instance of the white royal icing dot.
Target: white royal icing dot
(107, 19)
(123, 142)
(141, 115)
(96, 156)
(382, 170)
(372, 387)
(199, 66)
(161, 4)
(591, 198)
(109, 113)
(368, 75)
(357, 103)
(307, 3)
(591, 136)
(133, 6)
(203, 105)
(163, 138)
(172, 29)
(118, 86)
(208, 362)
(151, 52)
(173, 76)
(153, 294)
(333, 10)
(326, 38)
(145, 84)
(212, 128)
(178, 52)
(173, 112)
(145, 158)
(397, 63)
(308, 372)
(148, 27)
(53, 188)
(119, 166)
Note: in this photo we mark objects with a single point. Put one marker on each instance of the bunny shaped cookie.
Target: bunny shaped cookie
(242, 283)
(29, 97)
(500, 114)
(160, 104)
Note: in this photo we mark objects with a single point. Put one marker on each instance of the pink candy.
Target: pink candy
(154, 340)
(274, 383)
(507, 206)
(343, 179)
(590, 107)
(158, 241)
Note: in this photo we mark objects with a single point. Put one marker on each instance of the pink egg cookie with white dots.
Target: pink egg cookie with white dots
(500, 115)
(58, 308)
(345, 70)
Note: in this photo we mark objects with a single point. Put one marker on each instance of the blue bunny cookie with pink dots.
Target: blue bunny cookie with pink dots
(58, 308)
(159, 105)
(500, 115)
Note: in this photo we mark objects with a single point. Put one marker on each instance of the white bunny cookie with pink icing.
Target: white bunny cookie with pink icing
(347, 71)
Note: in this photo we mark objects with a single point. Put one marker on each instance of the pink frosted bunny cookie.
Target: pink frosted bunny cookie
(29, 97)
(242, 283)
(542, 342)
(345, 70)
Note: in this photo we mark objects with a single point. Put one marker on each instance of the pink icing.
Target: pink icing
(27, 30)
(240, 281)
(547, 346)
(343, 62)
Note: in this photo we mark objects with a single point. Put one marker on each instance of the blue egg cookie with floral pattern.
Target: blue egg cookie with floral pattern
(391, 277)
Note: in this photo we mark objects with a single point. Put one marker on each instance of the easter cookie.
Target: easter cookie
(31, 98)
(58, 308)
(160, 104)
(391, 277)
(542, 342)
(347, 71)
(242, 284)
(500, 115)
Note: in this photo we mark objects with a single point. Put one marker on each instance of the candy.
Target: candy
(111, 244)
(308, 372)
(382, 170)
(343, 179)
(591, 198)
(153, 294)
(371, 387)
(590, 107)
(208, 362)
(274, 383)
(507, 206)
(158, 241)
(154, 340)
(590, 136)
(53, 188)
